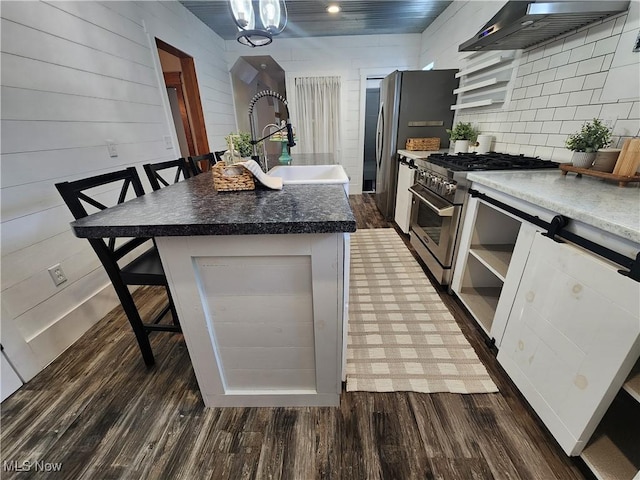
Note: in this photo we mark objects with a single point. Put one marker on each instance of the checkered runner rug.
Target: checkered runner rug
(401, 336)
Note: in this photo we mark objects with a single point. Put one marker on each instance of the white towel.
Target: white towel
(274, 183)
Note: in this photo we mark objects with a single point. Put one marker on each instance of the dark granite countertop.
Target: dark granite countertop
(193, 207)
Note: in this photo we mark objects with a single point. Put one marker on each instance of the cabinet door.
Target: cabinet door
(572, 337)
(403, 197)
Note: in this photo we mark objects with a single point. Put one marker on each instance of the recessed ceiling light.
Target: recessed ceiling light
(333, 8)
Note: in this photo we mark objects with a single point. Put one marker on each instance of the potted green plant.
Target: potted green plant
(462, 134)
(585, 143)
(239, 145)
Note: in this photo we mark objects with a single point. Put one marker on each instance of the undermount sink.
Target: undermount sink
(314, 174)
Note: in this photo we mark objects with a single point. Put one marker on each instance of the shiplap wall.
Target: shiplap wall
(349, 57)
(560, 84)
(75, 74)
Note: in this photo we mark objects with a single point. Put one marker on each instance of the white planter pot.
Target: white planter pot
(583, 159)
(461, 146)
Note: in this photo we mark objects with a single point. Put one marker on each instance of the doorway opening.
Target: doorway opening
(372, 108)
(181, 82)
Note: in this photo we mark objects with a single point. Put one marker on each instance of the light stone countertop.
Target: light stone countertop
(589, 200)
(414, 154)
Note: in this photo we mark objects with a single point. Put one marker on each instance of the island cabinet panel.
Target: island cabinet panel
(261, 315)
(572, 338)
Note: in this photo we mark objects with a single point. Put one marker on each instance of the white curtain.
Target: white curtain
(318, 115)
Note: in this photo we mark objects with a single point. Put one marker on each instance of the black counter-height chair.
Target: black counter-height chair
(196, 162)
(179, 168)
(145, 269)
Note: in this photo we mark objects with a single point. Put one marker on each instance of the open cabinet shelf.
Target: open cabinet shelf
(496, 257)
(613, 452)
(482, 301)
(632, 385)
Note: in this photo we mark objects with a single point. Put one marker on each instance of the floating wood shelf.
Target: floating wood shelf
(622, 180)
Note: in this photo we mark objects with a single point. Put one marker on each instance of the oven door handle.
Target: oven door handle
(441, 212)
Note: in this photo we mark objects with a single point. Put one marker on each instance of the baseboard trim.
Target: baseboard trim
(60, 335)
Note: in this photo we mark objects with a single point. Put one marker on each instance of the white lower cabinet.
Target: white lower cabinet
(406, 178)
(571, 339)
(567, 326)
(494, 246)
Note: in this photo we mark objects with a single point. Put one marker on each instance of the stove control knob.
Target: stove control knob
(450, 188)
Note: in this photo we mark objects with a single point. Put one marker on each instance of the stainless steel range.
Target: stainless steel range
(439, 200)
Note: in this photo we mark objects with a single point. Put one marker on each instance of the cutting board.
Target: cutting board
(629, 158)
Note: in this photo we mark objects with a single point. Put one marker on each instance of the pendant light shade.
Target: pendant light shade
(271, 16)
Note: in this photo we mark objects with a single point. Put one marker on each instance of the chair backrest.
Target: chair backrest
(196, 162)
(73, 194)
(157, 181)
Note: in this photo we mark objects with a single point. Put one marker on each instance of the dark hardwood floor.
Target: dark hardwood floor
(103, 415)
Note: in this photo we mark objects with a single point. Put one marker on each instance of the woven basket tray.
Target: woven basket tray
(425, 144)
(232, 178)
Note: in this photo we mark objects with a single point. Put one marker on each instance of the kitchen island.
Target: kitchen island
(258, 280)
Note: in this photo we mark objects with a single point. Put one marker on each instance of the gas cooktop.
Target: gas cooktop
(465, 162)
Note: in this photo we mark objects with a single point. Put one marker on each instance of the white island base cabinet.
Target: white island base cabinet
(571, 339)
(261, 315)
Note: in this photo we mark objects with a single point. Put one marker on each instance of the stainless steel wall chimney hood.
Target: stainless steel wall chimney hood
(521, 24)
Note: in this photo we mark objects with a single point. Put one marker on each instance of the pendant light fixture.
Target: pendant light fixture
(273, 15)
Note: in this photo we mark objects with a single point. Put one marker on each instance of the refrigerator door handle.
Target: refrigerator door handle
(379, 134)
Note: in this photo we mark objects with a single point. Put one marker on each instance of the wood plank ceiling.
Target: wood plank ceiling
(309, 18)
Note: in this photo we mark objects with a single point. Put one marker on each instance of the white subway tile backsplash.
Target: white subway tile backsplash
(534, 127)
(545, 114)
(564, 113)
(544, 152)
(551, 127)
(524, 104)
(518, 127)
(518, 93)
(562, 155)
(534, 91)
(587, 112)
(558, 100)
(581, 53)
(540, 65)
(509, 137)
(595, 97)
(572, 84)
(556, 140)
(595, 80)
(575, 40)
(553, 47)
(525, 69)
(566, 71)
(592, 65)
(600, 31)
(627, 128)
(571, 126)
(619, 25)
(635, 111)
(551, 87)
(517, 83)
(582, 97)
(528, 116)
(539, 102)
(529, 80)
(527, 150)
(547, 75)
(617, 110)
(608, 59)
(538, 139)
(513, 116)
(559, 59)
(606, 45)
(535, 54)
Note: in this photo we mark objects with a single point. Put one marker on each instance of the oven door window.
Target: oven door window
(434, 222)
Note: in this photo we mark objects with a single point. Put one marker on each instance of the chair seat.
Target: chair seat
(146, 269)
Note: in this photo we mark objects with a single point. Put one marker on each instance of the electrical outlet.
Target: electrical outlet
(168, 144)
(111, 148)
(57, 275)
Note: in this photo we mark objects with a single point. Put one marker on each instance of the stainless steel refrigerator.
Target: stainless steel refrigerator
(413, 104)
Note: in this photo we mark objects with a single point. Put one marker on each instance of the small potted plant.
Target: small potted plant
(585, 143)
(239, 145)
(462, 134)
